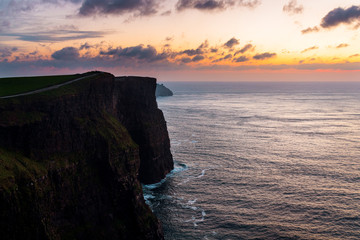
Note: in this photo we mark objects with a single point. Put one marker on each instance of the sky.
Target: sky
(183, 40)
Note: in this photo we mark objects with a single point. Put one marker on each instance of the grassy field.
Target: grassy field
(16, 85)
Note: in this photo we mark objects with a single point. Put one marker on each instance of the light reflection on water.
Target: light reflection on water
(261, 162)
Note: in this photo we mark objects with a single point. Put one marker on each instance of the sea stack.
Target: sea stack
(162, 91)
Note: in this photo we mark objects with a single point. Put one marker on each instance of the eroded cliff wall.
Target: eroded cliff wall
(71, 160)
(147, 127)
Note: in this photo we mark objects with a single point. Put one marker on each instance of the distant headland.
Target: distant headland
(162, 91)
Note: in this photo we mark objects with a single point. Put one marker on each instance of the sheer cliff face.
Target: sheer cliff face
(147, 127)
(71, 160)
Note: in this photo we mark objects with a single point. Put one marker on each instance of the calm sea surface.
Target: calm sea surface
(261, 161)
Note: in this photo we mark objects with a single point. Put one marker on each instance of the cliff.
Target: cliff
(162, 91)
(71, 160)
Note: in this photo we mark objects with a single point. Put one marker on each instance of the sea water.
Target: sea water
(261, 161)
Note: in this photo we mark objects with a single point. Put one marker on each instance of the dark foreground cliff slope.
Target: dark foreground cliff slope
(71, 160)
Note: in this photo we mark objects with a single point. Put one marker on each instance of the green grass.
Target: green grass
(16, 85)
(14, 165)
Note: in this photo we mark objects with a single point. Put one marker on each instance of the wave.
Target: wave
(178, 167)
(195, 221)
(202, 174)
(148, 189)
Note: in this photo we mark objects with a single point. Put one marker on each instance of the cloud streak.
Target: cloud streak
(310, 49)
(310, 30)
(241, 59)
(263, 56)
(246, 48)
(227, 57)
(18, 6)
(215, 5)
(231, 43)
(200, 50)
(342, 45)
(55, 35)
(198, 58)
(293, 8)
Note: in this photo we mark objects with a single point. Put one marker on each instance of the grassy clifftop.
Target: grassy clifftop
(16, 85)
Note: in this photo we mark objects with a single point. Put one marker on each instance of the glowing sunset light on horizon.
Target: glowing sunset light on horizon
(170, 39)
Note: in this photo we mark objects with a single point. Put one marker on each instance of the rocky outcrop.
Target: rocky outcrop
(71, 160)
(162, 91)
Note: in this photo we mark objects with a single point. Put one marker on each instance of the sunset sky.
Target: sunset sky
(183, 40)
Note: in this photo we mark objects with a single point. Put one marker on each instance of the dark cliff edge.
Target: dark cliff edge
(71, 160)
(162, 91)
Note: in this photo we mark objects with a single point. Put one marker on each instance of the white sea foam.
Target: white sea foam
(203, 213)
(195, 221)
(175, 143)
(148, 197)
(188, 205)
(148, 189)
(191, 202)
(178, 167)
(155, 185)
(202, 173)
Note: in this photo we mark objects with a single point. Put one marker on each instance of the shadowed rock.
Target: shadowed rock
(71, 160)
(162, 91)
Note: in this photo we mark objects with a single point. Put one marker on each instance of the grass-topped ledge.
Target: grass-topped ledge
(11, 88)
(18, 85)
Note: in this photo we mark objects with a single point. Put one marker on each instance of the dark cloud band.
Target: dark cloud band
(263, 56)
(241, 59)
(211, 5)
(140, 7)
(148, 54)
(66, 54)
(341, 15)
(231, 43)
(336, 17)
(246, 48)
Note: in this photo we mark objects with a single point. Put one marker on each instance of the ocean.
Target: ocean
(261, 161)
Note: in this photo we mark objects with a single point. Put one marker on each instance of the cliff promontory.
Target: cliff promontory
(72, 158)
(162, 91)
